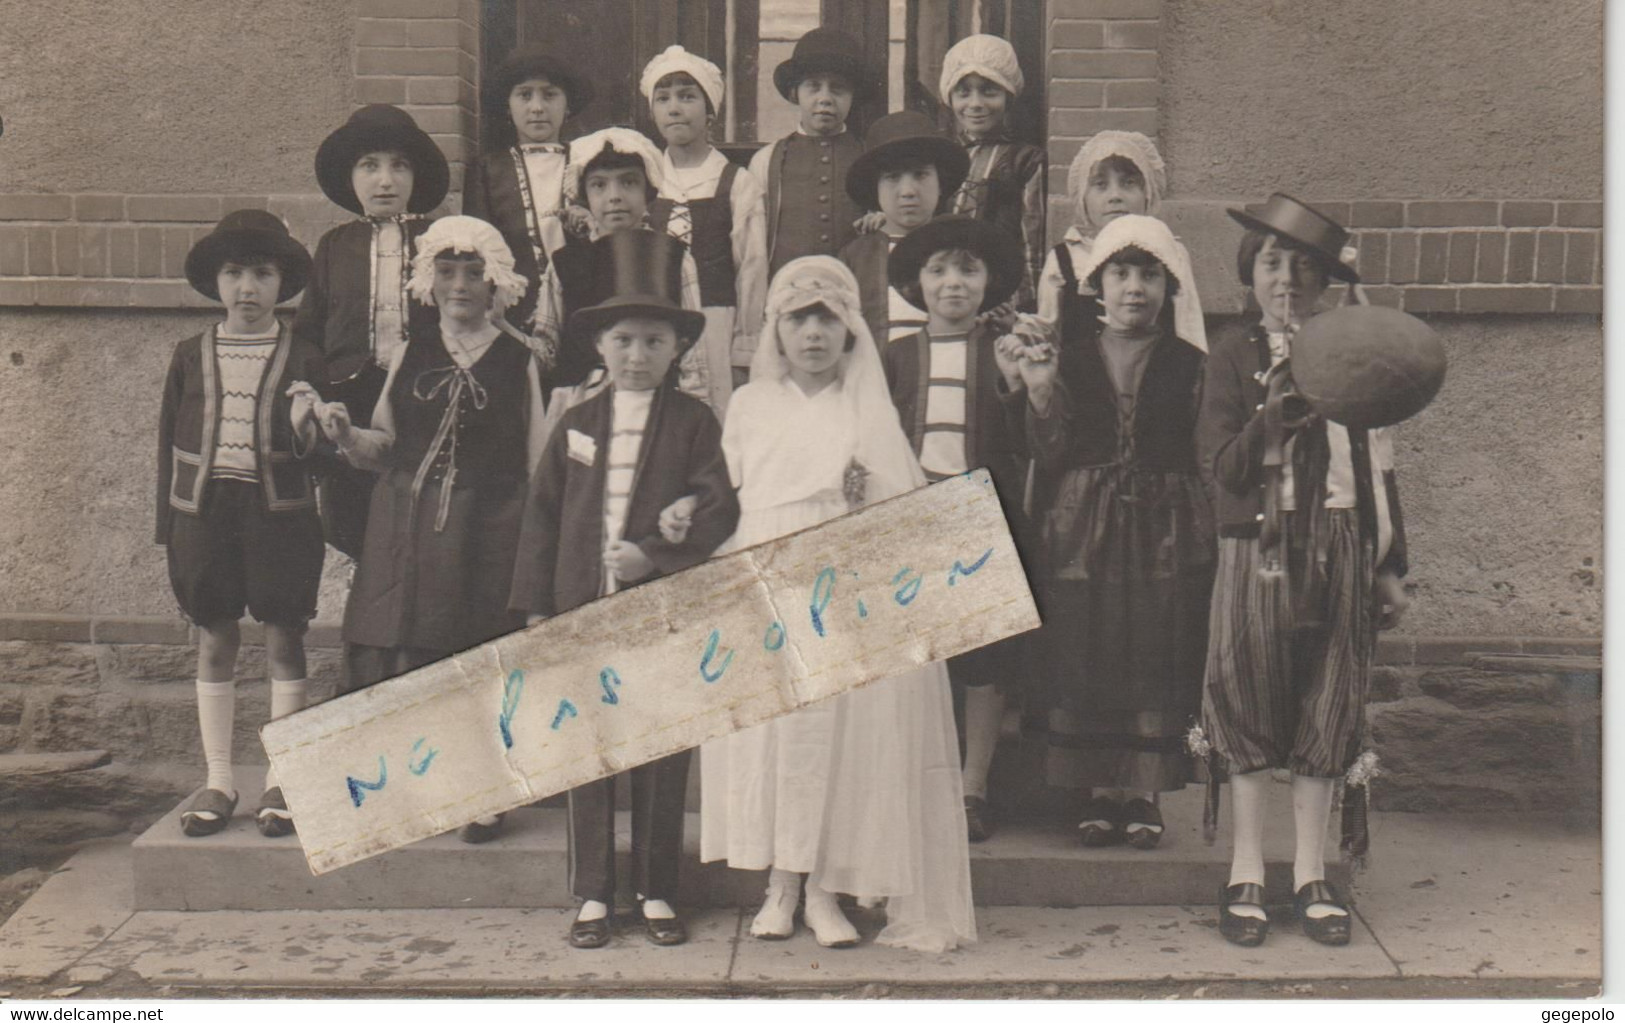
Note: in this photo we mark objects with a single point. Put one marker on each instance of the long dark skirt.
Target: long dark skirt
(1125, 629)
(1278, 694)
(445, 589)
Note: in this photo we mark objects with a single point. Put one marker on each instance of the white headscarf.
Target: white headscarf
(466, 234)
(615, 140)
(1131, 145)
(873, 434)
(989, 56)
(1153, 236)
(674, 59)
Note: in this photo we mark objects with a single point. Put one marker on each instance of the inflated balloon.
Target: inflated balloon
(1366, 366)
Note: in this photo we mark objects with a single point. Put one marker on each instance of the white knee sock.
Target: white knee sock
(1311, 809)
(1248, 795)
(984, 716)
(287, 696)
(216, 714)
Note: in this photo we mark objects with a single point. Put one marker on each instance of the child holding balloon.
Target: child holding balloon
(1311, 554)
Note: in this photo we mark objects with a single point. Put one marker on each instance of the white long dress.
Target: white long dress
(862, 792)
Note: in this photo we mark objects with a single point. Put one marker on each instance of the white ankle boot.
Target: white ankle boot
(776, 920)
(829, 925)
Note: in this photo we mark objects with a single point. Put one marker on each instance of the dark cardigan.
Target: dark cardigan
(335, 312)
(561, 542)
(492, 194)
(1230, 436)
(189, 425)
(990, 409)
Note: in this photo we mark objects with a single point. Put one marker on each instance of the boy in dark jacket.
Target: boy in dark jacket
(592, 527)
(236, 508)
(386, 170)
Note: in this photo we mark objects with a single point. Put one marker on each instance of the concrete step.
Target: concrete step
(1027, 863)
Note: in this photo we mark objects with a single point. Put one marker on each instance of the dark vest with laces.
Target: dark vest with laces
(489, 440)
(711, 240)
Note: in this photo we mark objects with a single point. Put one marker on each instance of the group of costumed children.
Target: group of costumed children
(621, 361)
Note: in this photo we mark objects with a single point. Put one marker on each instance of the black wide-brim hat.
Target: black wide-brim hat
(641, 274)
(824, 51)
(995, 246)
(907, 136)
(530, 63)
(1291, 218)
(245, 234)
(376, 127)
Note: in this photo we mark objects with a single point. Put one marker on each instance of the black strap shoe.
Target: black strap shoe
(589, 933)
(665, 930)
(1335, 929)
(1246, 931)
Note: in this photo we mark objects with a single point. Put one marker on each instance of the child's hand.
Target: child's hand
(1007, 351)
(676, 518)
(1001, 317)
(870, 222)
(335, 420)
(306, 402)
(577, 220)
(1388, 592)
(627, 561)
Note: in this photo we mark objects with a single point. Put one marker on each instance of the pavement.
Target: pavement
(1459, 906)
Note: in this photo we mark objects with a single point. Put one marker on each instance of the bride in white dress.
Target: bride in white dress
(861, 793)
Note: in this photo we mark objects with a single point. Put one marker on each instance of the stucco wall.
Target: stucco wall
(1382, 98)
(1502, 477)
(79, 398)
(253, 86)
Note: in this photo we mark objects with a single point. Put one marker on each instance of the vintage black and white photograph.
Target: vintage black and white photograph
(801, 499)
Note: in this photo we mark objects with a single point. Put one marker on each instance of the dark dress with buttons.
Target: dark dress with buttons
(443, 529)
(808, 210)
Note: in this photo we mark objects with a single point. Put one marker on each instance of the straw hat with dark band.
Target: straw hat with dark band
(1283, 215)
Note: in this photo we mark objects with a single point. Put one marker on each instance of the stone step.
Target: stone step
(1024, 864)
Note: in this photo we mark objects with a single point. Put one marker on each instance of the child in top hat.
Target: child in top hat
(1311, 556)
(909, 173)
(710, 204)
(808, 214)
(945, 381)
(1115, 174)
(616, 174)
(591, 527)
(236, 502)
(1126, 557)
(386, 170)
(981, 79)
(520, 186)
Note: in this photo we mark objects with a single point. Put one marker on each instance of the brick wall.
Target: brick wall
(1495, 254)
(128, 251)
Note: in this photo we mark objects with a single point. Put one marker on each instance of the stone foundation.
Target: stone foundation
(1461, 723)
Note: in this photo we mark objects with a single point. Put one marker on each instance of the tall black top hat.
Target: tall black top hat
(530, 63)
(642, 272)
(996, 247)
(823, 51)
(244, 234)
(373, 128)
(1283, 215)
(907, 136)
